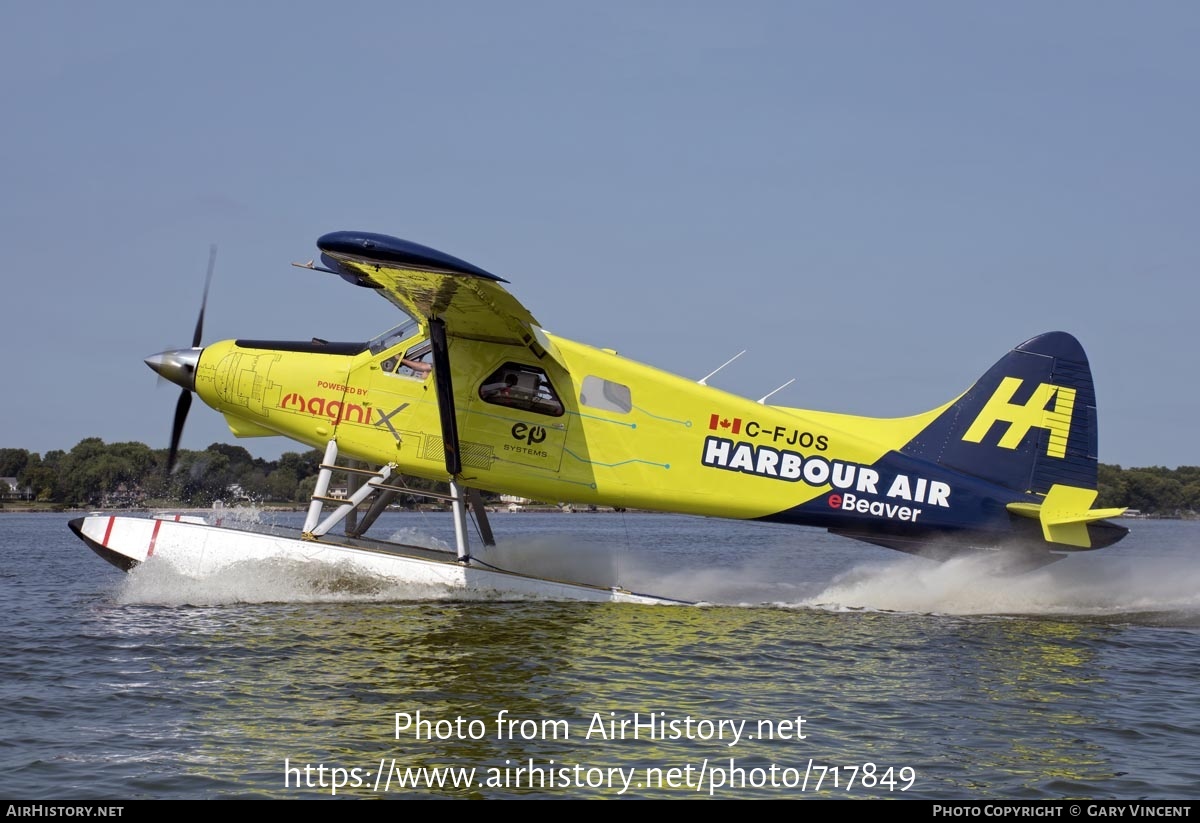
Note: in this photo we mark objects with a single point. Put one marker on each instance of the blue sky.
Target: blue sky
(877, 199)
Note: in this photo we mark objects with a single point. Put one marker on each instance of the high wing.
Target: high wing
(431, 285)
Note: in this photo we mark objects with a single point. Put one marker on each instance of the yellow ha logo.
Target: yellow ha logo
(1021, 418)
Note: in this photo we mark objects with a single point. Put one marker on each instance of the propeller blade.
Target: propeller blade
(180, 366)
(212, 262)
(181, 413)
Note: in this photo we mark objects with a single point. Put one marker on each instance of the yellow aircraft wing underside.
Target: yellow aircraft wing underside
(472, 307)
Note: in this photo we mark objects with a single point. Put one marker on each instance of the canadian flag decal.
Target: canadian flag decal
(717, 422)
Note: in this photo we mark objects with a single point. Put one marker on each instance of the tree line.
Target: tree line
(95, 474)
(98, 474)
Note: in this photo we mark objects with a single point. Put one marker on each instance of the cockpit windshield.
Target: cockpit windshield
(393, 336)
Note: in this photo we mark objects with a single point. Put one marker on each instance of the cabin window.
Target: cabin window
(521, 387)
(606, 395)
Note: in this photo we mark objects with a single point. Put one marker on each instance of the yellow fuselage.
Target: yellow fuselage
(617, 433)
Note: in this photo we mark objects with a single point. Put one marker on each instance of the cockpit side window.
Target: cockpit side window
(416, 361)
(521, 387)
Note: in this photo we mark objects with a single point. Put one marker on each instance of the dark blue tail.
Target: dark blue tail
(1028, 424)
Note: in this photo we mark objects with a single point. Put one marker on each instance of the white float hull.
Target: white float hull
(197, 549)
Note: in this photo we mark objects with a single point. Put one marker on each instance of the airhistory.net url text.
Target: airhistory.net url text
(710, 777)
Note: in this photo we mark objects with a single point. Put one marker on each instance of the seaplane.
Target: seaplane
(469, 389)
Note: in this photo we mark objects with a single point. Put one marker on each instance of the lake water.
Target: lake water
(822, 668)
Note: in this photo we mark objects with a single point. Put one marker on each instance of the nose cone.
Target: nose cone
(178, 366)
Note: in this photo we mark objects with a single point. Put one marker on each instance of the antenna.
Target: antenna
(702, 380)
(312, 265)
(762, 400)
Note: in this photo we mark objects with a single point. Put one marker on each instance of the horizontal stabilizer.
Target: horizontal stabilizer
(1065, 513)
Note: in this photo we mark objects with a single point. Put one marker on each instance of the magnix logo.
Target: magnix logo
(1049, 407)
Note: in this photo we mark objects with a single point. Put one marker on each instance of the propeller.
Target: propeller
(181, 412)
(180, 367)
(212, 263)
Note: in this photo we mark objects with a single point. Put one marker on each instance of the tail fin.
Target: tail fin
(1029, 425)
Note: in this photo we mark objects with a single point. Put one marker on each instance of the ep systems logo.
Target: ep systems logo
(530, 434)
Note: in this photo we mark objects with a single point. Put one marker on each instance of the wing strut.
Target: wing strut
(445, 397)
(462, 495)
(445, 394)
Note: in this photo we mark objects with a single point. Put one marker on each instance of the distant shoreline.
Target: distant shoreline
(52, 509)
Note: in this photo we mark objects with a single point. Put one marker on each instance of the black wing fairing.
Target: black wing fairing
(314, 346)
(382, 248)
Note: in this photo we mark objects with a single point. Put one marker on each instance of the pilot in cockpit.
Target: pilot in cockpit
(419, 367)
(414, 362)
